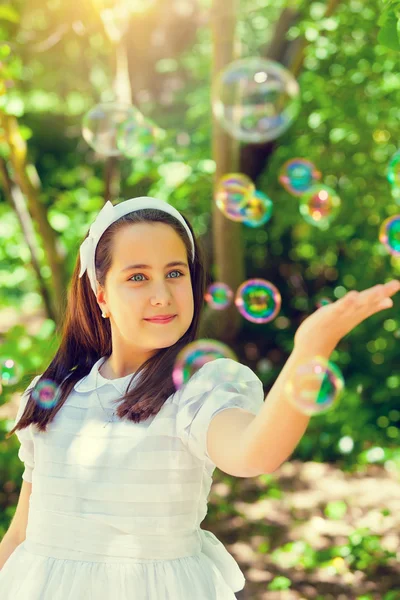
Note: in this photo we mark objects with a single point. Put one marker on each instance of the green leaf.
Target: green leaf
(389, 34)
(8, 13)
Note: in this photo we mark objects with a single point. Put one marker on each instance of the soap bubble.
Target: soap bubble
(258, 209)
(195, 355)
(297, 176)
(320, 205)
(389, 234)
(309, 377)
(101, 126)
(258, 300)
(46, 393)
(232, 194)
(139, 139)
(256, 99)
(10, 371)
(218, 295)
(393, 175)
(393, 170)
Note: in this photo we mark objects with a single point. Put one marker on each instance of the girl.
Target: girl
(120, 469)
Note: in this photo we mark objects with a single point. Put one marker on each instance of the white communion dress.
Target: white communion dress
(115, 511)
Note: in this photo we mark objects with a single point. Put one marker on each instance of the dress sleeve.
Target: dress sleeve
(25, 452)
(217, 385)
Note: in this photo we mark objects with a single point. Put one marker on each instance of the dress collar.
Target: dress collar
(88, 383)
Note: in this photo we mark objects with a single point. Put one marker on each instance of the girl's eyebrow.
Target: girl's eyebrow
(176, 263)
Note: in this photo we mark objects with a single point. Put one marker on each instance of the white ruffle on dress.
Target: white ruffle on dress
(115, 511)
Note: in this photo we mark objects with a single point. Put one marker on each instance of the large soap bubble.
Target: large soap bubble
(258, 209)
(320, 205)
(196, 354)
(232, 194)
(104, 125)
(389, 234)
(255, 99)
(297, 175)
(315, 386)
(258, 300)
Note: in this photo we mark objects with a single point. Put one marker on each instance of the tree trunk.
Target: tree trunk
(17, 200)
(30, 186)
(229, 266)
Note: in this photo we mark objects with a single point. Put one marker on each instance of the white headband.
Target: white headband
(110, 213)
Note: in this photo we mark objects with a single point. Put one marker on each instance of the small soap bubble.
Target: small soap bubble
(389, 234)
(323, 302)
(218, 295)
(195, 355)
(320, 205)
(101, 126)
(264, 366)
(10, 371)
(298, 175)
(315, 386)
(46, 393)
(258, 300)
(258, 209)
(256, 99)
(232, 195)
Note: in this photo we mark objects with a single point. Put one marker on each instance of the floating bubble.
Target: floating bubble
(389, 234)
(218, 295)
(139, 140)
(195, 355)
(396, 193)
(264, 366)
(323, 302)
(297, 176)
(256, 99)
(258, 209)
(393, 170)
(101, 126)
(46, 393)
(232, 195)
(315, 386)
(258, 300)
(320, 205)
(10, 371)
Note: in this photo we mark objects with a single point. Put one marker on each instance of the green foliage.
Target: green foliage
(348, 127)
(389, 21)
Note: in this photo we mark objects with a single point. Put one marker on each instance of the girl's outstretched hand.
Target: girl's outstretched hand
(330, 323)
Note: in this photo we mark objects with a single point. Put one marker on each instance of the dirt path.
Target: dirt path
(299, 516)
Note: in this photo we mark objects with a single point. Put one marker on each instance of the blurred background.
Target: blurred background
(326, 524)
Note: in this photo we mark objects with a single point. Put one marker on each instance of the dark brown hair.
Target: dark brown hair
(86, 335)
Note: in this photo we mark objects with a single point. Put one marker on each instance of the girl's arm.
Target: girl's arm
(269, 439)
(7, 547)
(17, 530)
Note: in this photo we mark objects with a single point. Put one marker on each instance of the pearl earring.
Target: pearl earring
(103, 315)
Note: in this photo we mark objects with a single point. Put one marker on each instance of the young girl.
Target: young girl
(119, 470)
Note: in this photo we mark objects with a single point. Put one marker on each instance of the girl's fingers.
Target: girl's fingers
(379, 293)
(371, 300)
(392, 287)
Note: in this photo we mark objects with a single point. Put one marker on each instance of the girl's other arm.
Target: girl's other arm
(16, 532)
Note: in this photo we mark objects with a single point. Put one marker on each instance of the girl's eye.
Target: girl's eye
(137, 275)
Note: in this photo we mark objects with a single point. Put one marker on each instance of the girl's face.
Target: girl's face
(135, 293)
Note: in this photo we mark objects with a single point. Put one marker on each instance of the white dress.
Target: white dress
(115, 511)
